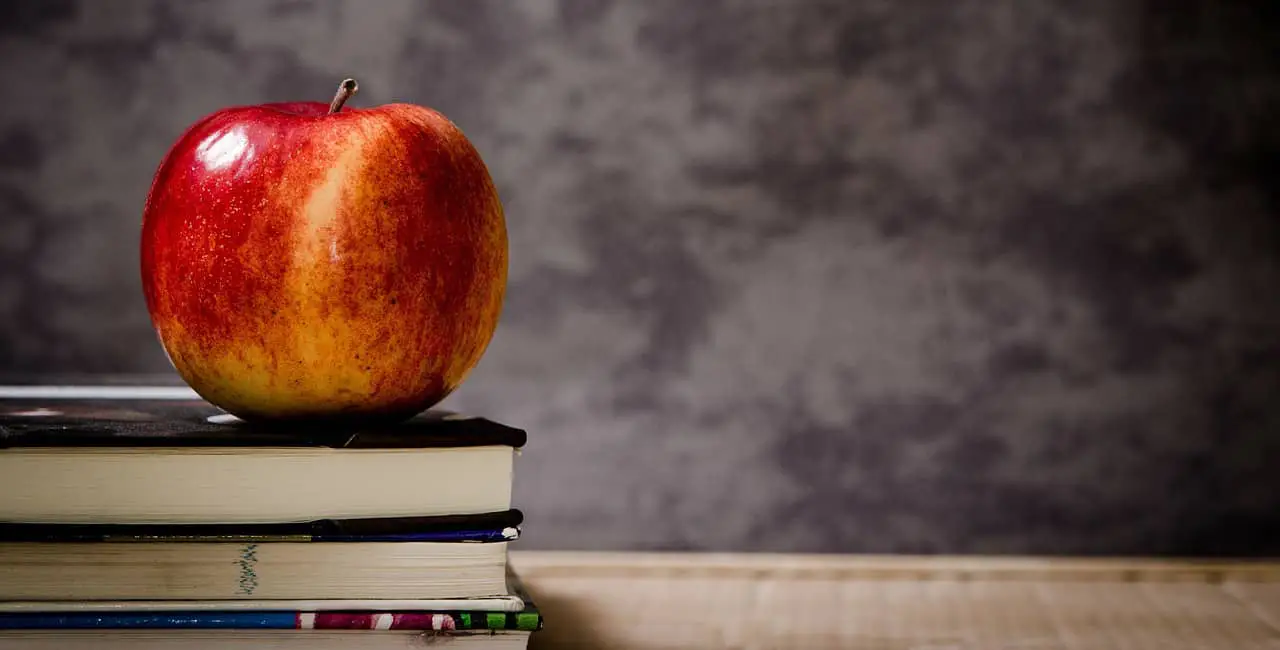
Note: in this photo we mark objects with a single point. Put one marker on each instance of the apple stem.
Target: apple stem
(346, 90)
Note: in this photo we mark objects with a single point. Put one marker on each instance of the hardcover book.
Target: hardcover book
(518, 612)
(85, 459)
(39, 571)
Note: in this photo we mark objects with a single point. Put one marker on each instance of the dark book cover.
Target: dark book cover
(485, 527)
(135, 417)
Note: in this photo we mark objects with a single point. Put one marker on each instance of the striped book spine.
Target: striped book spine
(374, 621)
(526, 620)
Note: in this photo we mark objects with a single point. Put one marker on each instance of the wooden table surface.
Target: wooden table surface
(648, 600)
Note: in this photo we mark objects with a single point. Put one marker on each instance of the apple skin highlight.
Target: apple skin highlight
(301, 264)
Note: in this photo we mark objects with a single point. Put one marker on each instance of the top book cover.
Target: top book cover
(148, 417)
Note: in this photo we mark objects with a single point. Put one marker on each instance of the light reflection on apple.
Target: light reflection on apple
(221, 149)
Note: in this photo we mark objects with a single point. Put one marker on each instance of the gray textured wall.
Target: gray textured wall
(864, 275)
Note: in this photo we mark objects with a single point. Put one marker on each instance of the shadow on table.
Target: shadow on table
(568, 625)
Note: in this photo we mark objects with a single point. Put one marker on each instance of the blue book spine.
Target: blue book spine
(191, 620)
(500, 535)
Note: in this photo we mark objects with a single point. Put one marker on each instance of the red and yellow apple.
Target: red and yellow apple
(308, 261)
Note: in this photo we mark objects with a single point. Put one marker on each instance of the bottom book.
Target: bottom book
(528, 620)
(258, 639)
(480, 623)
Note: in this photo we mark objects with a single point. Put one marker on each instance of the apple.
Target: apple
(306, 261)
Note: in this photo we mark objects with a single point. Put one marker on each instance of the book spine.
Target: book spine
(490, 526)
(504, 535)
(530, 621)
(481, 536)
(267, 620)
(375, 621)
(152, 620)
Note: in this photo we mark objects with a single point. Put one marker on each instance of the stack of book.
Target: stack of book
(143, 518)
